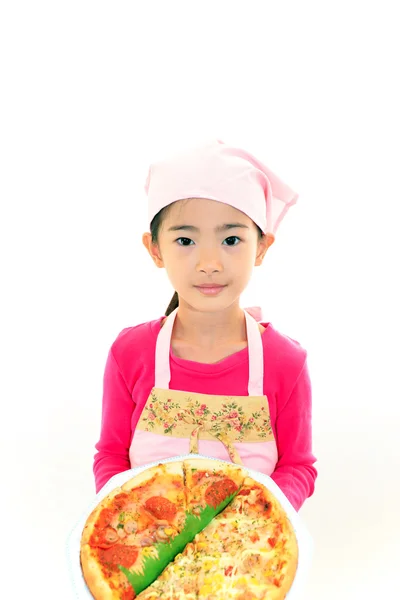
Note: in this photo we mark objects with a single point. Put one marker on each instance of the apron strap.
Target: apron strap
(255, 351)
(163, 346)
(256, 357)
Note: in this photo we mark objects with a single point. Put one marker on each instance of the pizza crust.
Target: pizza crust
(96, 583)
(292, 554)
(204, 464)
(170, 469)
(292, 568)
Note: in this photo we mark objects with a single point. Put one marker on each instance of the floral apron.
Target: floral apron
(236, 428)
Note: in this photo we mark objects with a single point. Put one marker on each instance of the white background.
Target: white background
(91, 93)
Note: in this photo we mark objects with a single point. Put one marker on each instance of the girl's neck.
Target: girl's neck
(210, 330)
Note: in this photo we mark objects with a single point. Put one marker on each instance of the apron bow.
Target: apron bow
(221, 436)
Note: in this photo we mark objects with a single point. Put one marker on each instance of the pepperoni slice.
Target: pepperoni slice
(105, 518)
(119, 555)
(160, 507)
(218, 491)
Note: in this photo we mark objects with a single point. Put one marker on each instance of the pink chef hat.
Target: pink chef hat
(220, 172)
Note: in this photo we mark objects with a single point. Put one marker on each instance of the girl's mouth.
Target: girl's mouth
(210, 290)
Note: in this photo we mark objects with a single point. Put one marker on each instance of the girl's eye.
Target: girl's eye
(183, 240)
(231, 241)
(232, 238)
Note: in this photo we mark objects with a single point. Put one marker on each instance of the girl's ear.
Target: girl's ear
(266, 241)
(153, 250)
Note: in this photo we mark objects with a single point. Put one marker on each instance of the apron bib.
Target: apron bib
(235, 428)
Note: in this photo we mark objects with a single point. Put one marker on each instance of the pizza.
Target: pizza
(191, 529)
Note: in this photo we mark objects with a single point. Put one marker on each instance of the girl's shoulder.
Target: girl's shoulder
(282, 350)
(140, 339)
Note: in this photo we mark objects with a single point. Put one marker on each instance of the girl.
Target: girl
(207, 377)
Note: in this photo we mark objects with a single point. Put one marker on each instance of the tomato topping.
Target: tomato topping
(244, 492)
(160, 507)
(119, 555)
(228, 571)
(121, 496)
(198, 476)
(128, 593)
(120, 500)
(218, 491)
(278, 582)
(272, 542)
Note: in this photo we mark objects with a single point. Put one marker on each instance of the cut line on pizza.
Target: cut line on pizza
(191, 529)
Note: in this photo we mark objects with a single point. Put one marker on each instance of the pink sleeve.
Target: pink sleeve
(294, 473)
(113, 447)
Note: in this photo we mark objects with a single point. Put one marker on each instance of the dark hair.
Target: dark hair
(155, 226)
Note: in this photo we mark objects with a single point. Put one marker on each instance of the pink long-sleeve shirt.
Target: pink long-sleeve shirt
(129, 378)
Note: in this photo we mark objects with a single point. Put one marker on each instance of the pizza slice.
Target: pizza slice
(123, 530)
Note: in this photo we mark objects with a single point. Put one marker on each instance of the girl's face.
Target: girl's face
(207, 242)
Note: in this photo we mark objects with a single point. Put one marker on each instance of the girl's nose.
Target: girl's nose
(209, 263)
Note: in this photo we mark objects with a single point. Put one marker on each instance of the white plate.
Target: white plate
(304, 539)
